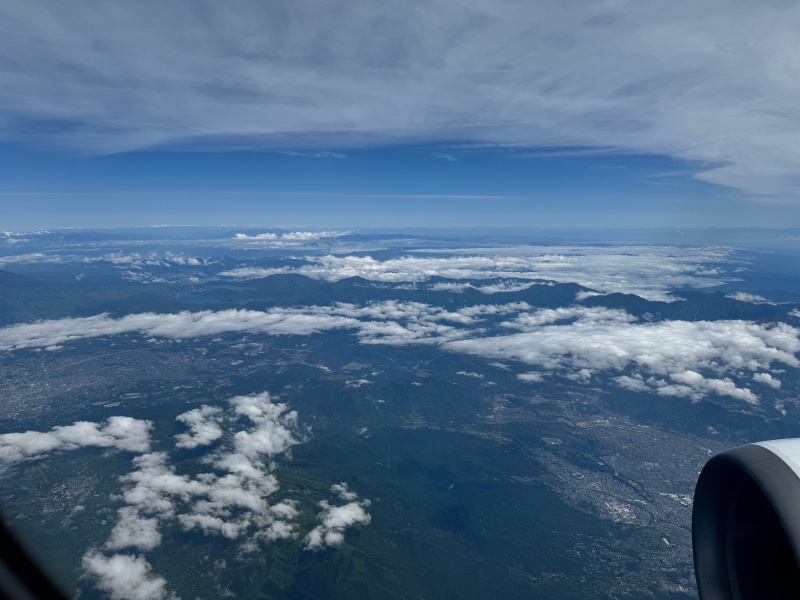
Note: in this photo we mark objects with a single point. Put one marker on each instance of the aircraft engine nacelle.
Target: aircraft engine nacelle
(746, 523)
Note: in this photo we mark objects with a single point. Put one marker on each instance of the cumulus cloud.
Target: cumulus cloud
(134, 531)
(712, 82)
(123, 433)
(204, 427)
(230, 500)
(650, 272)
(767, 379)
(335, 520)
(125, 577)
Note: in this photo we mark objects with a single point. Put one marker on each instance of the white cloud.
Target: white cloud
(581, 296)
(753, 298)
(531, 377)
(450, 287)
(204, 427)
(650, 272)
(291, 236)
(125, 577)
(533, 320)
(469, 374)
(35, 258)
(123, 433)
(503, 286)
(134, 531)
(576, 341)
(713, 82)
(231, 500)
(608, 340)
(335, 520)
(767, 379)
(258, 236)
(313, 235)
(181, 325)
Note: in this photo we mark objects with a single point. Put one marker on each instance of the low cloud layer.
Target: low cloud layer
(691, 359)
(292, 237)
(650, 272)
(666, 357)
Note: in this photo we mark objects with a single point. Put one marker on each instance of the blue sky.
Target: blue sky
(447, 112)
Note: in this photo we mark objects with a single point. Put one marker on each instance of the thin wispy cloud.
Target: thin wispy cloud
(712, 82)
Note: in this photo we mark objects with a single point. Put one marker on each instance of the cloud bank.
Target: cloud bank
(691, 359)
(649, 272)
(292, 236)
(666, 357)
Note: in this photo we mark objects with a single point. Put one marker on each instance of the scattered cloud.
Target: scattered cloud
(230, 499)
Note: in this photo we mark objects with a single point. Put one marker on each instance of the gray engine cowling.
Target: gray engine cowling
(746, 523)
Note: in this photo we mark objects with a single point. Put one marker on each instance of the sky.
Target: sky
(350, 113)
